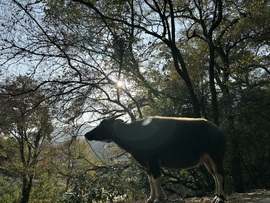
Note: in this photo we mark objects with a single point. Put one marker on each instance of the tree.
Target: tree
(26, 122)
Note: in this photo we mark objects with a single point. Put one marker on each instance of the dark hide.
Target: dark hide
(168, 142)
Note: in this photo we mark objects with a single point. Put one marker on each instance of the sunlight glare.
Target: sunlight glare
(119, 84)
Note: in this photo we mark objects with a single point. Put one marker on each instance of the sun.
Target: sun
(119, 84)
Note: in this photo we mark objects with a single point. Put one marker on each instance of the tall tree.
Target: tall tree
(27, 122)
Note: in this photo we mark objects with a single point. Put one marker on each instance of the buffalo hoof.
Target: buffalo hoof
(218, 200)
(150, 201)
(158, 201)
(154, 201)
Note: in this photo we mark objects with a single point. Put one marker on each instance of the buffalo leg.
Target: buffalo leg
(218, 174)
(157, 195)
(152, 189)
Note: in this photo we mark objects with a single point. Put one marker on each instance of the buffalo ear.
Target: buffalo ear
(118, 121)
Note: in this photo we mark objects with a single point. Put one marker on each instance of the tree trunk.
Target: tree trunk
(183, 73)
(26, 189)
(236, 168)
(212, 86)
(237, 174)
(236, 163)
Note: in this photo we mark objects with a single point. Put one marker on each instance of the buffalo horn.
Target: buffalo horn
(115, 117)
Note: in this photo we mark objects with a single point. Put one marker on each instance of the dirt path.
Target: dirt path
(257, 196)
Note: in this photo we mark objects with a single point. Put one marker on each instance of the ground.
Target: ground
(256, 196)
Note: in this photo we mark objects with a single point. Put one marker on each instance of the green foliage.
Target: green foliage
(26, 131)
(46, 189)
(111, 182)
(9, 190)
(253, 128)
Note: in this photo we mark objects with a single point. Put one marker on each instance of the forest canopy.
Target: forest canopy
(67, 64)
